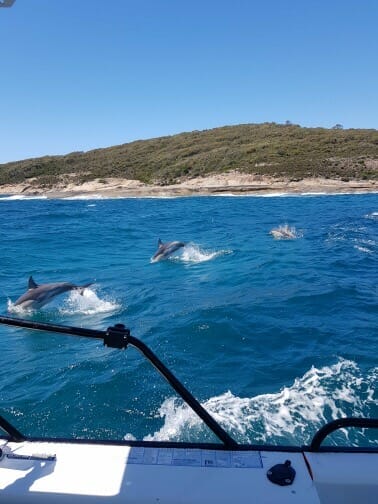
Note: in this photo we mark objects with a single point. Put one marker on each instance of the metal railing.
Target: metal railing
(371, 423)
(119, 337)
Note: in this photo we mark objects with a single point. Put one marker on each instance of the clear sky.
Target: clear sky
(82, 74)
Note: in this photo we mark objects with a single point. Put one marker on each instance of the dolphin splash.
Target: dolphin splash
(284, 233)
(38, 295)
(166, 249)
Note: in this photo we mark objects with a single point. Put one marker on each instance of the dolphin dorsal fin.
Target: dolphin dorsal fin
(160, 243)
(32, 284)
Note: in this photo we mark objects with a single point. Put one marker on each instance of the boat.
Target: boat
(45, 470)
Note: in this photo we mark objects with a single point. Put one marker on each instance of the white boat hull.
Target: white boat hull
(73, 473)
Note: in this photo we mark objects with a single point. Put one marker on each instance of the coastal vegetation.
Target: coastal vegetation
(277, 150)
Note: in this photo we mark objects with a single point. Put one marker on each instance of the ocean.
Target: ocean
(273, 337)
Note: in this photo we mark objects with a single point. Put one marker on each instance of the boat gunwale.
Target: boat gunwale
(196, 445)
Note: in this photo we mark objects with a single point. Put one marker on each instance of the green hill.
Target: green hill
(268, 149)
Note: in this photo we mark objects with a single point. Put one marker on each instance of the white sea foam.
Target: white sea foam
(277, 194)
(87, 303)
(84, 197)
(353, 235)
(363, 249)
(17, 309)
(253, 195)
(21, 197)
(295, 412)
(285, 232)
(319, 193)
(228, 195)
(193, 253)
(372, 215)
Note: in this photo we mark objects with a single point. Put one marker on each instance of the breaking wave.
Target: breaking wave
(16, 197)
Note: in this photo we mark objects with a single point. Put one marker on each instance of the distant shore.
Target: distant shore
(233, 183)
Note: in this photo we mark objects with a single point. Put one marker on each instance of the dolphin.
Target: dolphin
(7, 3)
(166, 249)
(38, 295)
(283, 232)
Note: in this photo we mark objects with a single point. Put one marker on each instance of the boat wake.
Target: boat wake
(290, 416)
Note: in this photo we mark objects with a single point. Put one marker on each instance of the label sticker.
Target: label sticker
(195, 457)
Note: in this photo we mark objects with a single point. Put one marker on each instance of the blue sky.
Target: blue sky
(83, 74)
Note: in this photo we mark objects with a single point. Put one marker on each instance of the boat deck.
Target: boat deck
(59, 472)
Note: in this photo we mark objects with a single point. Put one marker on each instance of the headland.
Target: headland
(232, 183)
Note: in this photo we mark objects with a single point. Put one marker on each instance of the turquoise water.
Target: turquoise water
(273, 337)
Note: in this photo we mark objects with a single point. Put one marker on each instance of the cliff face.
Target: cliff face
(268, 149)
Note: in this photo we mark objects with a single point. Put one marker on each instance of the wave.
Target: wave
(84, 197)
(291, 415)
(253, 195)
(273, 194)
(22, 197)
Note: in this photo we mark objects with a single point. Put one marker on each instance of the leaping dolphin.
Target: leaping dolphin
(166, 249)
(38, 295)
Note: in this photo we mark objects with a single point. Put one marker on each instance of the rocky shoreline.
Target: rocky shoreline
(220, 184)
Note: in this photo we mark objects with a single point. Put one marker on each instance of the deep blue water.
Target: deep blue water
(273, 337)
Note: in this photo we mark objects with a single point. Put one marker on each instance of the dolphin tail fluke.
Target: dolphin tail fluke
(81, 288)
